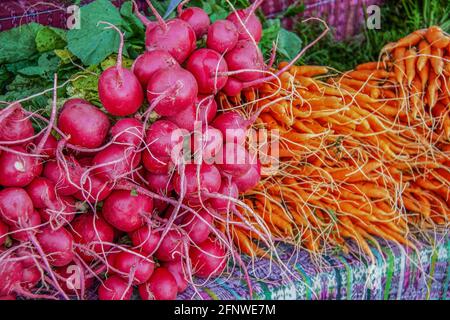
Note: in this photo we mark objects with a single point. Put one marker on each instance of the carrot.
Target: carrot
(410, 64)
(399, 66)
(436, 37)
(424, 74)
(436, 60)
(424, 53)
(432, 90)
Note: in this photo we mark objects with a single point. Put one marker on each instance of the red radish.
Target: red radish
(119, 89)
(177, 270)
(209, 69)
(20, 230)
(84, 124)
(176, 89)
(73, 275)
(197, 18)
(162, 137)
(66, 183)
(42, 192)
(228, 189)
(250, 179)
(11, 273)
(208, 259)
(200, 113)
(161, 286)
(151, 61)
(16, 126)
(174, 36)
(17, 170)
(209, 181)
(3, 231)
(49, 146)
(30, 277)
(159, 183)
(94, 189)
(9, 297)
(178, 219)
(115, 161)
(86, 229)
(159, 205)
(155, 165)
(128, 131)
(171, 247)
(115, 288)
(198, 229)
(127, 211)
(57, 245)
(207, 143)
(15, 206)
(245, 55)
(145, 239)
(61, 211)
(235, 160)
(233, 87)
(26, 256)
(222, 36)
(233, 126)
(247, 22)
(132, 265)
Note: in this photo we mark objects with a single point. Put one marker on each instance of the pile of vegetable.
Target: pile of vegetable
(364, 155)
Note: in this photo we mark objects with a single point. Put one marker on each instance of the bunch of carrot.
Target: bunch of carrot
(364, 155)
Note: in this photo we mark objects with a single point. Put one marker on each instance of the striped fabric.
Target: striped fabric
(397, 274)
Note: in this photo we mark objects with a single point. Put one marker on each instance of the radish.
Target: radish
(235, 160)
(94, 189)
(162, 137)
(42, 192)
(15, 126)
(159, 205)
(126, 211)
(3, 231)
(207, 143)
(84, 124)
(57, 245)
(221, 205)
(208, 259)
(222, 36)
(30, 277)
(119, 89)
(86, 229)
(159, 183)
(233, 87)
(174, 36)
(176, 268)
(15, 206)
(115, 161)
(18, 169)
(61, 211)
(134, 266)
(66, 183)
(209, 69)
(178, 219)
(145, 239)
(128, 131)
(172, 91)
(161, 286)
(49, 146)
(245, 55)
(250, 179)
(151, 61)
(197, 18)
(203, 111)
(233, 127)
(247, 23)
(171, 247)
(198, 227)
(20, 230)
(155, 165)
(114, 288)
(11, 273)
(209, 181)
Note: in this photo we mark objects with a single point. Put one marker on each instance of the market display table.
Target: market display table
(397, 274)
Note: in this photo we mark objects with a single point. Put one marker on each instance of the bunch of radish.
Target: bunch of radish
(115, 200)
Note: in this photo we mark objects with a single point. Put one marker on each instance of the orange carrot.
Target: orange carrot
(436, 37)
(424, 53)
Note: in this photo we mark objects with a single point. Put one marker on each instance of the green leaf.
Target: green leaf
(47, 64)
(48, 39)
(18, 43)
(92, 43)
(289, 44)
